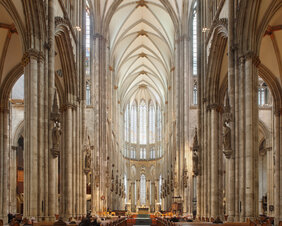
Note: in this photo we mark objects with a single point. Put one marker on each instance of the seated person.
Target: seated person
(174, 219)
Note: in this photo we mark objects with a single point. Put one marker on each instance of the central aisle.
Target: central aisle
(143, 219)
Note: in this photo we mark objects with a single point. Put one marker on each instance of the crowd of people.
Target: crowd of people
(17, 220)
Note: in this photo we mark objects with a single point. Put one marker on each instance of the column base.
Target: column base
(217, 220)
(4, 218)
(230, 219)
(241, 219)
(247, 219)
(67, 217)
(276, 221)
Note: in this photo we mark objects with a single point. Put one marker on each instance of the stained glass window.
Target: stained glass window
(152, 122)
(126, 123)
(134, 123)
(194, 39)
(87, 43)
(143, 190)
(159, 129)
(195, 93)
(142, 153)
(88, 97)
(143, 122)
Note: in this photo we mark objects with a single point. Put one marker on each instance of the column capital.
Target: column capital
(100, 36)
(68, 105)
(242, 59)
(277, 112)
(60, 20)
(215, 106)
(254, 57)
(32, 53)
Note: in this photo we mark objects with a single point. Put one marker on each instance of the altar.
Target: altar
(143, 210)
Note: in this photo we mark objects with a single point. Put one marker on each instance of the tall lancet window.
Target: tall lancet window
(143, 122)
(126, 123)
(194, 39)
(133, 122)
(152, 123)
(159, 128)
(87, 41)
(195, 94)
(88, 95)
(143, 190)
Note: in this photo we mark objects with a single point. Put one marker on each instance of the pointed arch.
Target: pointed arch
(218, 45)
(63, 41)
(8, 84)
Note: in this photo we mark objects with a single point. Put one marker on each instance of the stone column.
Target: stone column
(12, 184)
(208, 171)
(242, 139)
(42, 184)
(231, 94)
(200, 113)
(277, 172)
(270, 180)
(52, 196)
(31, 203)
(204, 167)
(251, 137)
(1, 160)
(4, 163)
(133, 207)
(148, 193)
(214, 162)
(280, 165)
(157, 194)
(153, 196)
(68, 202)
(138, 192)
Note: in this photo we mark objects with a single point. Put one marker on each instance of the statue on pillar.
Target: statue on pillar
(227, 140)
(227, 118)
(87, 157)
(195, 142)
(195, 159)
(56, 131)
(226, 136)
(56, 135)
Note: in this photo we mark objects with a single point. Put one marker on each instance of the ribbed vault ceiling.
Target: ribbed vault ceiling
(142, 45)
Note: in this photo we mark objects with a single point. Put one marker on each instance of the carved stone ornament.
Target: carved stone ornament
(112, 182)
(195, 141)
(227, 140)
(195, 159)
(56, 131)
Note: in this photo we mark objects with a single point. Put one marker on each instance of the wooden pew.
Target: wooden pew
(43, 223)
